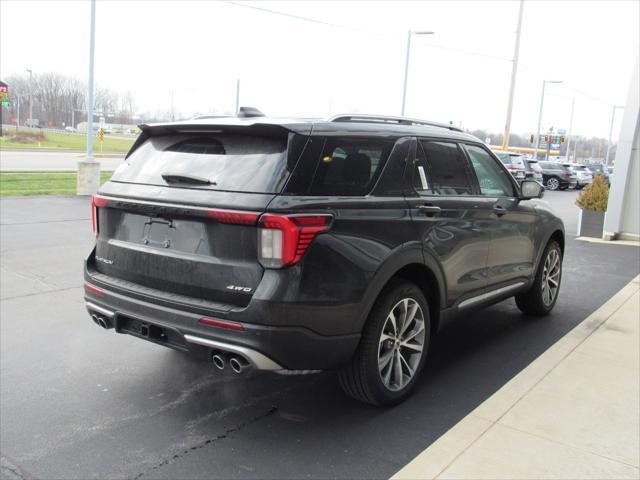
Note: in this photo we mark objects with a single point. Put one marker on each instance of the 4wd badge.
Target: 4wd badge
(236, 288)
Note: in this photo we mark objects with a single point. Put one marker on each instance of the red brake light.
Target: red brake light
(232, 217)
(214, 322)
(96, 202)
(283, 239)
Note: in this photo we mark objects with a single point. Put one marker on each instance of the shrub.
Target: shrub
(595, 196)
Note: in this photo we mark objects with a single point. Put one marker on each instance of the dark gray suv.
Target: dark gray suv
(295, 246)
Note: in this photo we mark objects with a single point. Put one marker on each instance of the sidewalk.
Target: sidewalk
(572, 413)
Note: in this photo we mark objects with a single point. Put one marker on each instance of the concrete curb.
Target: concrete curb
(440, 455)
(627, 243)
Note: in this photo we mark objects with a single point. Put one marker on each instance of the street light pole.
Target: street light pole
(92, 36)
(88, 179)
(30, 95)
(406, 67)
(613, 115)
(514, 70)
(573, 104)
(237, 96)
(544, 83)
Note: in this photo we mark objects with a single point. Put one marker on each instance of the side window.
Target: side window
(493, 180)
(441, 169)
(349, 166)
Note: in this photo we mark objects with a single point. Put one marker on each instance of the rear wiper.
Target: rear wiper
(180, 178)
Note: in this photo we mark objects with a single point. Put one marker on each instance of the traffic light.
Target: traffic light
(531, 138)
(562, 139)
(546, 138)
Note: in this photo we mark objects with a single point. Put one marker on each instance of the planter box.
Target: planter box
(591, 224)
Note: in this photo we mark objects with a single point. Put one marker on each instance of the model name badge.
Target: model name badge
(104, 260)
(236, 288)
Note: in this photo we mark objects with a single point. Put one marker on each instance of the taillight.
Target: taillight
(232, 217)
(96, 202)
(283, 239)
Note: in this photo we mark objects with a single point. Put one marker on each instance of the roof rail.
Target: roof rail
(389, 119)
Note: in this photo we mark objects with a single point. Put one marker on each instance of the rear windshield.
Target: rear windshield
(217, 161)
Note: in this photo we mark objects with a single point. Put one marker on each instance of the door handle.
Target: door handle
(499, 211)
(429, 209)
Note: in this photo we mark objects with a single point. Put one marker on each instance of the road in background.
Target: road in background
(48, 160)
(81, 402)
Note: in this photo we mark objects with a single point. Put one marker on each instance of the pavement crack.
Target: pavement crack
(14, 471)
(226, 433)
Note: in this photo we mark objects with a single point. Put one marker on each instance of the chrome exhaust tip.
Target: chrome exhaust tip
(103, 322)
(238, 365)
(94, 317)
(218, 361)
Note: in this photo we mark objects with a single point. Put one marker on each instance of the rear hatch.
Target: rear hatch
(179, 216)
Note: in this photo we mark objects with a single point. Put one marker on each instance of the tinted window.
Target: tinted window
(232, 162)
(493, 179)
(441, 169)
(349, 166)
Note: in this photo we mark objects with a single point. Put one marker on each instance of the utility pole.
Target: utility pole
(512, 89)
(544, 82)
(613, 116)
(237, 96)
(89, 170)
(573, 104)
(30, 96)
(406, 67)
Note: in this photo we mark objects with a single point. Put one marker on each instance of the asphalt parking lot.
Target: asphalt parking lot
(80, 402)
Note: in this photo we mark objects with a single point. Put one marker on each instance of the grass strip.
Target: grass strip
(41, 183)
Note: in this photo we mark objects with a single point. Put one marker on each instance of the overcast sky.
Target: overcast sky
(290, 66)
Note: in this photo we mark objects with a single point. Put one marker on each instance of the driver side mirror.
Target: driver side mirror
(531, 189)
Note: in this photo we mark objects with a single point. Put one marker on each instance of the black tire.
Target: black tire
(533, 302)
(362, 379)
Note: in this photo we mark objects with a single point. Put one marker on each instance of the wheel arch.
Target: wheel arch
(411, 265)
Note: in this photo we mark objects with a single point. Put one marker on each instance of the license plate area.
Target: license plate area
(149, 331)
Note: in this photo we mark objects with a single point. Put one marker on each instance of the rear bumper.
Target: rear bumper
(275, 348)
(584, 181)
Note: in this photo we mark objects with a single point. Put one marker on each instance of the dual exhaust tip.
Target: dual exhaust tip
(101, 321)
(237, 364)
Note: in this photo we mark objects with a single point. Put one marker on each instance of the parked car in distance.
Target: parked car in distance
(294, 246)
(533, 170)
(557, 176)
(70, 130)
(514, 164)
(584, 176)
(599, 169)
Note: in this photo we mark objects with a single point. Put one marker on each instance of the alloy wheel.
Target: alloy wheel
(553, 184)
(401, 344)
(551, 277)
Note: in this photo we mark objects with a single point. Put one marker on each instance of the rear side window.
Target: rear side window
(349, 166)
(230, 162)
(442, 169)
